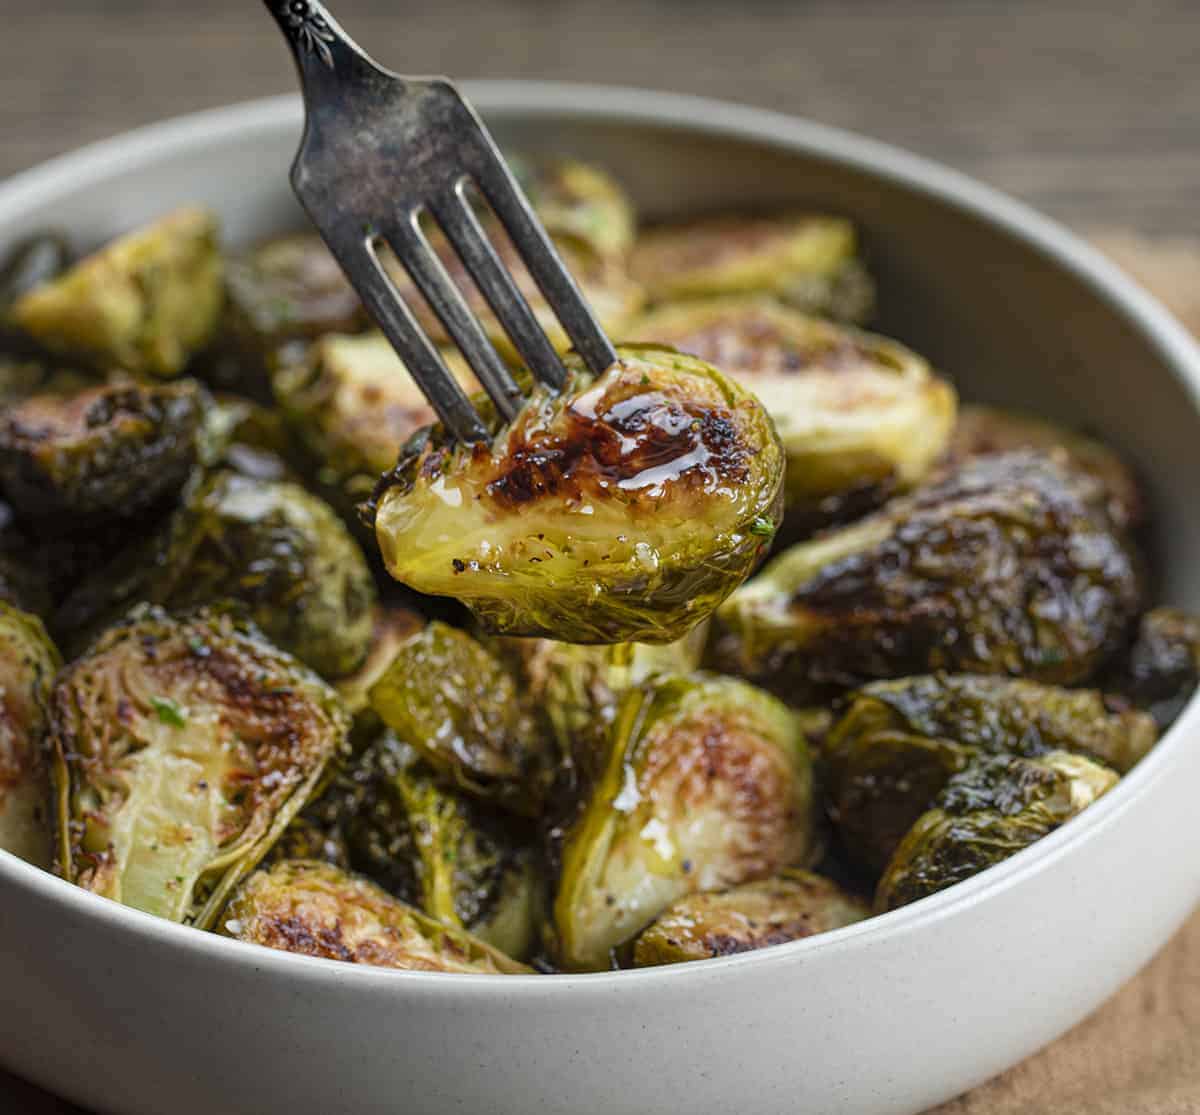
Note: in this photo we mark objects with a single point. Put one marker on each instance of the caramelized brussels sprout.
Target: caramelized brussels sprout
(579, 203)
(1006, 565)
(990, 811)
(805, 260)
(859, 416)
(623, 509)
(706, 783)
(982, 430)
(278, 552)
(1159, 671)
(28, 663)
(105, 451)
(182, 749)
(145, 303)
(899, 742)
(316, 910)
(793, 905)
(448, 697)
(439, 850)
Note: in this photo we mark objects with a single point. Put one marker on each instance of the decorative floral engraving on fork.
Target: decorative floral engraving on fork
(308, 28)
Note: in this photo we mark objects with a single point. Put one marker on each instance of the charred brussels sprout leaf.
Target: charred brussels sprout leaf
(278, 552)
(145, 303)
(182, 750)
(705, 783)
(28, 663)
(794, 905)
(1159, 672)
(105, 451)
(859, 416)
(448, 697)
(1007, 565)
(578, 203)
(803, 259)
(623, 509)
(984, 430)
(316, 910)
(992, 810)
(900, 742)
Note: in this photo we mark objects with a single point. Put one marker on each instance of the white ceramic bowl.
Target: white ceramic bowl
(133, 1015)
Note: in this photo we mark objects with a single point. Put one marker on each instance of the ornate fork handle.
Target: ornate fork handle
(316, 39)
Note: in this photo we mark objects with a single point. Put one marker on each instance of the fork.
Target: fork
(382, 154)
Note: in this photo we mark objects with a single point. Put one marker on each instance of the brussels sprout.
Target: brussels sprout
(1008, 564)
(182, 749)
(28, 663)
(899, 743)
(448, 697)
(145, 303)
(439, 850)
(992, 810)
(316, 910)
(623, 509)
(793, 905)
(105, 451)
(706, 783)
(578, 202)
(982, 430)
(804, 259)
(1159, 671)
(392, 626)
(859, 416)
(271, 547)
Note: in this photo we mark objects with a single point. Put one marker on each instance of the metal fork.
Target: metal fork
(383, 153)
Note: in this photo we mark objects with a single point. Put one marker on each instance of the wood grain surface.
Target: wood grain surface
(1088, 110)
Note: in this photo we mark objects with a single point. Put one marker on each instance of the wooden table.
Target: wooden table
(1088, 110)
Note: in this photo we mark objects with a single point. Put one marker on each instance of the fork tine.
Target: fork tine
(458, 220)
(447, 301)
(543, 261)
(419, 354)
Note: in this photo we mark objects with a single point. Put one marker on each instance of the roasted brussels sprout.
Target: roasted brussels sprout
(106, 451)
(990, 811)
(439, 850)
(981, 430)
(271, 547)
(1007, 565)
(899, 742)
(579, 203)
(316, 910)
(1161, 668)
(448, 697)
(145, 303)
(182, 749)
(859, 416)
(705, 783)
(28, 663)
(793, 905)
(805, 260)
(623, 509)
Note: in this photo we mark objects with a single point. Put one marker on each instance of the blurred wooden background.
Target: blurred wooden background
(1088, 109)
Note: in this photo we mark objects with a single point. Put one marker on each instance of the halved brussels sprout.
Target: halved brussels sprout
(448, 697)
(146, 302)
(578, 202)
(1007, 565)
(316, 910)
(1160, 670)
(440, 851)
(623, 509)
(982, 429)
(278, 552)
(28, 663)
(899, 742)
(992, 810)
(793, 905)
(706, 783)
(111, 450)
(806, 260)
(859, 416)
(182, 749)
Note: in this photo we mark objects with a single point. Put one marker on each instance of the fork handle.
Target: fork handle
(324, 54)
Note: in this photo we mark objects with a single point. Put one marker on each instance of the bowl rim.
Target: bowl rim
(190, 133)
